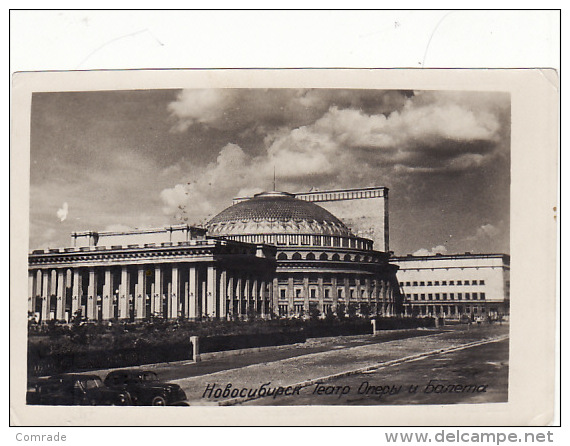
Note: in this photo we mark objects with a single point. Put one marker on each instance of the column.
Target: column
(239, 296)
(107, 302)
(156, 304)
(334, 294)
(290, 293)
(347, 301)
(60, 305)
(46, 275)
(76, 291)
(38, 289)
(263, 298)
(254, 297)
(31, 298)
(52, 290)
(174, 293)
(211, 292)
(124, 291)
(92, 295)
(193, 294)
(306, 294)
(223, 295)
(320, 293)
(186, 310)
(231, 294)
(246, 297)
(140, 294)
(275, 296)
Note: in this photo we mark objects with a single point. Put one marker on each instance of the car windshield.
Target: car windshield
(92, 383)
(148, 376)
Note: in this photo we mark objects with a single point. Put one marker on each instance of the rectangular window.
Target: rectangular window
(444, 282)
(305, 240)
(282, 293)
(316, 240)
(415, 297)
(401, 284)
(474, 296)
(444, 296)
(293, 239)
(459, 282)
(415, 284)
(481, 282)
(429, 284)
(482, 296)
(436, 296)
(407, 283)
(281, 239)
(313, 293)
(327, 240)
(408, 296)
(436, 283)
(451, 296)
(327, 293)
(422, 284)
(473, 282)
(430, 296)
(298, 292)
(467, 296)
(459, 296)
(423, 296)
(339, 293)
(452, 282)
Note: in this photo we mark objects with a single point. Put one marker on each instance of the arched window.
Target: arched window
(310, 256)
(347, 258)
(335, 257)
(323, 256)
(296, 256)
(282, 256)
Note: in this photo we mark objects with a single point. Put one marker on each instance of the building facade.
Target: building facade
(270, 255)
(321, 264)
(452, 286)
(174, 272)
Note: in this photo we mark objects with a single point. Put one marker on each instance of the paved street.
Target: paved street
(417, 359)
(484, 365)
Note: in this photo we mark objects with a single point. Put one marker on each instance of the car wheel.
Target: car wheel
(159, 401)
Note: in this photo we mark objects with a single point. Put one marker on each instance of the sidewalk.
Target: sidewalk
(310, 366)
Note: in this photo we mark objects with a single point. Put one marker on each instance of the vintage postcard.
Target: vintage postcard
(284, 247)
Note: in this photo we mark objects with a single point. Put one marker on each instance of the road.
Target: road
(462, 357)
(482, 371)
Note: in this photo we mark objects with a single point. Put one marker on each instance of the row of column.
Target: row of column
(170, 291)
(380, 294)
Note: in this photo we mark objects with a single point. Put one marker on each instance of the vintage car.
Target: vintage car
(73, 390)
(145, 389)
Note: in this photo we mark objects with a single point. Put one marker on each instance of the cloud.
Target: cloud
(62, 212)
(485, 231)
(440, 249)
(334, 139)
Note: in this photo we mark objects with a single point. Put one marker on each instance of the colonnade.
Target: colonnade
(190, 291)
(297, 294)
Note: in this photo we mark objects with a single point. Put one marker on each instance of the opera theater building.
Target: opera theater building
(271, 255)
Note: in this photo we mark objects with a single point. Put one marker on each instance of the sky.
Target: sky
(113, 160)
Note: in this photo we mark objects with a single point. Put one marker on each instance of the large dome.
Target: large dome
(276, 213)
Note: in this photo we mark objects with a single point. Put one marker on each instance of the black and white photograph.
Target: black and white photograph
(236, 246)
